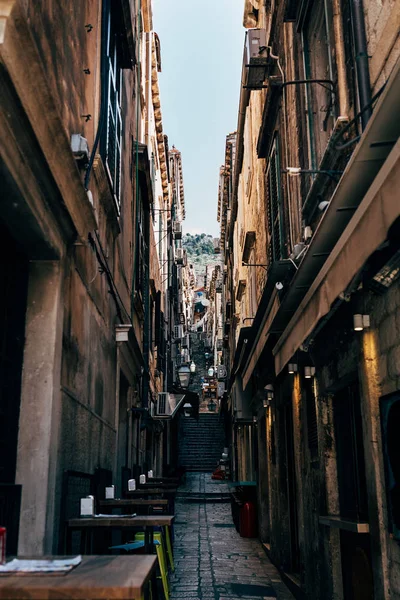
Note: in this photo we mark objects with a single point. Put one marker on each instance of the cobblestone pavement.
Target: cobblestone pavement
(212, 561)
(202, 483)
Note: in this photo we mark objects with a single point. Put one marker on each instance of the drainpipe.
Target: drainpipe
(340, 59)
(137, 195)
(146, 321)
(362, 66)
(243, 104)
(147, 90)
(103, 90)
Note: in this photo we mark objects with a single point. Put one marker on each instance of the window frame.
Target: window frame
(310, 90)
(112, 138)
(275, 214)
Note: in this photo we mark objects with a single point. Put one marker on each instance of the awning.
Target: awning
(280, 270)
(363, 167)
(176, 401)
(243, 345)
(367, 230)
(261, 339)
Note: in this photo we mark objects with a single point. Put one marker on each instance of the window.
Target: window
(276, 250)
(318, 64)
(141, 255)
(252, 287)
(151, 323)
(113, 134)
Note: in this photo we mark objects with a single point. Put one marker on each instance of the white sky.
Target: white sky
(201, 54)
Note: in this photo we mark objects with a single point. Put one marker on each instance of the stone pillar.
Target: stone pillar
(40, 408)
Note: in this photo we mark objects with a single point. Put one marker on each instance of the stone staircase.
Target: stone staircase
(201, 442)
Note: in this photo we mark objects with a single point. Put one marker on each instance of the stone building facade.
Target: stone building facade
(85, 191)
(314, 371)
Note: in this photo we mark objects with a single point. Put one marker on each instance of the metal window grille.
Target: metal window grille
(114, 117)
(275, 212)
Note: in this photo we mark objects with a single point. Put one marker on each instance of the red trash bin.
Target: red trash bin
(248, 520)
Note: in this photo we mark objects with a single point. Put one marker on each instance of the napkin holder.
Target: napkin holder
(87, 506)
(110, 492)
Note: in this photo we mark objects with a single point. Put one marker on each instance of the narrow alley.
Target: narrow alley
(212, 561)
(200, 277)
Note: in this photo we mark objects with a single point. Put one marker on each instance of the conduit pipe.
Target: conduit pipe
(340, 59)
(362, 65)
(243, 104)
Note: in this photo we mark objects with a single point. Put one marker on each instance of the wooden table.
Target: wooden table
(174, 480)
(156, 492)
(111, 577)
(88, 524)
(172, 487)
(145, 492)
(133, 503)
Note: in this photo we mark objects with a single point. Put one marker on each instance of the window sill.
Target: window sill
(345, 524)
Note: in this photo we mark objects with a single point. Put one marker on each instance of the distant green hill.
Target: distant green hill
(200, 251)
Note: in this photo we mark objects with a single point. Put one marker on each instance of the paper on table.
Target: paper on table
(61, 565)
(116, 516)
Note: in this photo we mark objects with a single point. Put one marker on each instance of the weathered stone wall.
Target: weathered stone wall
(382, 21)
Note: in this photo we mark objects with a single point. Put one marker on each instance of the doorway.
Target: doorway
(352, 485)
(291, 491)
(14, 272)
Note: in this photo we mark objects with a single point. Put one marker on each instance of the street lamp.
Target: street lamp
(192, 367)
(210, 371)
(184, 376)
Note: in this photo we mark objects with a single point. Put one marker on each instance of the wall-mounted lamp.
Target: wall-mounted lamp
(309, 372)
(192, 367)
(361, 322)
(269, 393)
(292, 368)
(295, 171)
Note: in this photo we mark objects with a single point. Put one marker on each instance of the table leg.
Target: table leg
(154, 586)
(83, 541)
(148, 540)
(68, 540)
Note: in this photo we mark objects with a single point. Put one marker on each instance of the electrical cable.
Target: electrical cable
(354, 120)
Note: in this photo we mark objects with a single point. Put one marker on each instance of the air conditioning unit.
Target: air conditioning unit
(163, 404)
(177, 332)
(185, 341)
(179, 256)
(80, 148)
(255, 58)
(177, 230)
